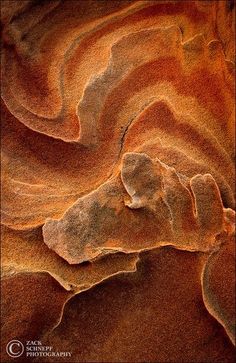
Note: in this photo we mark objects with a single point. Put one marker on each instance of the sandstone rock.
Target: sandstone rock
(118, 179)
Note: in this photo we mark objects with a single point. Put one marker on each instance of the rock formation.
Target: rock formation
(117, 122)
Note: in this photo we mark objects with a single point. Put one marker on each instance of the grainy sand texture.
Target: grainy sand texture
(117, 237)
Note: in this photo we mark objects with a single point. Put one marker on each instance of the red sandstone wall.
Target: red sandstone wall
(118, 179)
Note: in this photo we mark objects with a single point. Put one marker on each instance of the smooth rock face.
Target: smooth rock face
(118, 238)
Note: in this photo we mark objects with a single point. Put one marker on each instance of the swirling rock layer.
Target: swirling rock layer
(118, 179)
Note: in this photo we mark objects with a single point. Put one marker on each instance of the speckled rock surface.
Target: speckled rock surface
(117, 120)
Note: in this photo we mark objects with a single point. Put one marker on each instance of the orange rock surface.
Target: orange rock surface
(118, 238)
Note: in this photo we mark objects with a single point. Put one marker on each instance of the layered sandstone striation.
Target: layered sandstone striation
(118, 179)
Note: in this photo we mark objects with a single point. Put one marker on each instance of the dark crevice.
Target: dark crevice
(230, 5)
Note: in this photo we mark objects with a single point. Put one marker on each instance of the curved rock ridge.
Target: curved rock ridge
(118, 179)
(131, 331)
(218, 296)
(147, 205)
(169, 82)
(17, 245)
